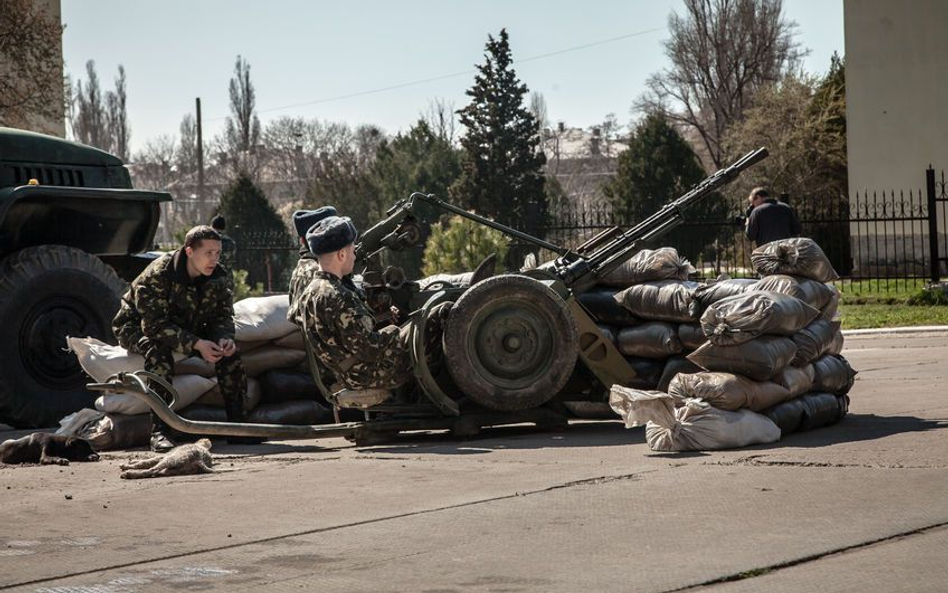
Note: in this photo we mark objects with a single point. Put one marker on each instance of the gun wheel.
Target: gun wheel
(510, 343)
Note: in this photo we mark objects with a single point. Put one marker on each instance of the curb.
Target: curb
(919, 329)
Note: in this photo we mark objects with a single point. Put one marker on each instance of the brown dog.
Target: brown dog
(46, 448)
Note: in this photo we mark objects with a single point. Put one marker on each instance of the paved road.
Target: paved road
(860, 506)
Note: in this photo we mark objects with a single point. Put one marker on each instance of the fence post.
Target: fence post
(932, 226)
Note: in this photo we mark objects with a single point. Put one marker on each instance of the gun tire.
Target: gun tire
(510, 343)
(47, 293)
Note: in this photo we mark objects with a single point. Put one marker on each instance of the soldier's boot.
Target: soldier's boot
(235, 413)
(159, 441)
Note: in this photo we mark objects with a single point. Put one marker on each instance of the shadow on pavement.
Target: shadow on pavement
(858, 427)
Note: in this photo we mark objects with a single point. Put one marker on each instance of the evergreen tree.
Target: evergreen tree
(502, 165)
(459, 245)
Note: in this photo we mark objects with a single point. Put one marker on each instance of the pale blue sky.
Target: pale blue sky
(307, 54)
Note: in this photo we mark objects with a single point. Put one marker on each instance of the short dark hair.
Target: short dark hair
(760, 191)
(219, 223)
(200, 233)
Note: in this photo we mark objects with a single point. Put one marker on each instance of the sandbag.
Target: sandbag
(809, 411)
(727, 391)
(648, 372)
(461, 280)
(814, 340)
(290, 412)
(608, 332)
(706, 294)
(816, 294)
(695, 426)
(833, 374)
(244, 347)
(836, 346)
(602, 305)
(262, 318)
(759, 359)
(195, 365)
(100, 360)
(796, 380)
(654, 339)
(799, 256)
(292, 340)
(691, 336)
(830, 311)
(590, 410)
(648, 265)
(267, 358)
(214, 397)
(189, 388)
(663, 300)
(282, 385)
(737, 319)
(118, 431)
(673, 366)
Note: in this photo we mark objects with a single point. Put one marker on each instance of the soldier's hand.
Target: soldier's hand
(228, 347)
(210, 351)
(395, 314)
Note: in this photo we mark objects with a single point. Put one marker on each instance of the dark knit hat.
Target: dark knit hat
(303, 220)
(218, 223)
(331, 234)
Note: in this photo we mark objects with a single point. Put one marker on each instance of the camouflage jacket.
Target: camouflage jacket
(166, 305)
(228, 252)
(303, 274)
(340, 328)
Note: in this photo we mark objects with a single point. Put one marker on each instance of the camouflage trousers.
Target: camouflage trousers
(388, 373)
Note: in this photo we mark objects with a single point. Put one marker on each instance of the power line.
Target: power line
(453, 75)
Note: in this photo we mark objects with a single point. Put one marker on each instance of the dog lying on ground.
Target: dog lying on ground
(46, 448)
(193, 458)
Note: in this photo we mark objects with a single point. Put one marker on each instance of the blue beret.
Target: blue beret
(303, 220)
(331, 234)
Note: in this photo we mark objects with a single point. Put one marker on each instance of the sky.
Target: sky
(383, 62)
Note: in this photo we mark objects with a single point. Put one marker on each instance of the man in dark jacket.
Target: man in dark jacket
(183, 302)
(769, 220)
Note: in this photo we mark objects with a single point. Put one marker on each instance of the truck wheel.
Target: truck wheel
(510, 343)
(47, 293)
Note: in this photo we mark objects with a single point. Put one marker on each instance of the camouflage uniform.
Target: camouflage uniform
(228, 252)
(165, 310)
(303, 274)
(341, 329)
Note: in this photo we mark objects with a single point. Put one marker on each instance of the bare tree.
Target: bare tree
(187, 157)
(30, 64)
(88, 125)
(117, 117)
(243, 129)
(722, 52)
(442, 119)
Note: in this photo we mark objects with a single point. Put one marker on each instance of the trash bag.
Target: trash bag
(691, 336)
(695, 426)
(654, 339)
(648, 372)
(662, 300)
(814, 340)
(648, 265)
(281, 385)
(676, 365)
(706, 294)
(799, 256)
(189, 388)
(816, 294)
(601, 304)
(737, 319)
(759, 359)
(809, 411)
(727, 391)
(833, 374)
(262, 318)
(796, 380)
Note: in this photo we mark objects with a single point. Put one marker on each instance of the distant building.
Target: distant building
(581, 161)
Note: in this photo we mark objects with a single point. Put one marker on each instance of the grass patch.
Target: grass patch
(859, 316)
(880, 292)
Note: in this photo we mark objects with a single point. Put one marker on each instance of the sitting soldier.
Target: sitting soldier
(308, 264)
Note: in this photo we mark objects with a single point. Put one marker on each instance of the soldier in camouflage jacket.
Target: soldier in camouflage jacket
(183, 302)
(308, 263)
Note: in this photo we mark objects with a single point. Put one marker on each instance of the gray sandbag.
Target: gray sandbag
(737, 319)
(461, 280)
(268, 358)
(695, 426)
(830, 311)
(648, 372)
(816, 294)
(280, 385)
(608, 332)
(662, 300)
(814, 340)
(712, 292)
(759, 359)
(799, 256)
(691, 336)
(833, 374)
(796, 380)
(676, 365)
(648, 265)
(289, 412)
(809, 411)
(727, 391)
(194, 365)
(836, 346)
(118, 431)
(654, 339)
(602, 305)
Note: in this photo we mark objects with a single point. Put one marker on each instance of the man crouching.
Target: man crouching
(183, 302)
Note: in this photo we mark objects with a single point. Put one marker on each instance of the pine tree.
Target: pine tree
(459, 245)
(501, 174)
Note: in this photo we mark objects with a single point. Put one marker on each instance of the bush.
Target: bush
(936, 296)
(242, 290)
(460, 245)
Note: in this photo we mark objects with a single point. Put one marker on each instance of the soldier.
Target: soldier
(308, 263)
(340, 326)
(228, 245)
(183, 302)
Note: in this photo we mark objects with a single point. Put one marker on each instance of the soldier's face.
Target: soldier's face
(203, 256)
(348, 259)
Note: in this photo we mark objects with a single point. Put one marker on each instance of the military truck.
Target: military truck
(73, 232)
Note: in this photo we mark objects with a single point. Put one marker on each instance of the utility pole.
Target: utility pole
(202, 216)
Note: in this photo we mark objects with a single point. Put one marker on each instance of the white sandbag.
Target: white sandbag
(648, 265)
(691, 336)
(759, 359)
(292, 340)
(727, 391)
(796, 380)
(195, 365)
(654, 339)
(799, 256)
(663, 300)
(100, 360)
(696, 426)
(189, 388)
(816, 294)
(814, 340)
(833, 374)
(262, 318)
(737, 319)
(712, 292)
(268, 358)
(251, 399)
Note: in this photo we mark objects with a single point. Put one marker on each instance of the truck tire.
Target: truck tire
(47, 293)
(510, 343)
